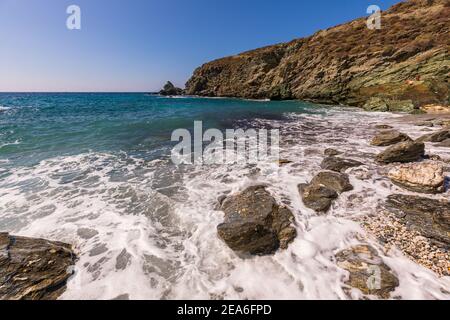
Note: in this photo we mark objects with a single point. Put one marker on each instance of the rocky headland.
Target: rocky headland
(404, 66)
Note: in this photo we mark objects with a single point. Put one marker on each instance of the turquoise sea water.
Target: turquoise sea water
(34, 127)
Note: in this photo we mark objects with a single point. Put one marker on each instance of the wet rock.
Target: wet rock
(425, 124)
(317, 197)
(407, 151)
(383, 127)
(331, 152)
(255, 224)
(429, 217)
(444, 144)
(323, 189)
(388, 138)
(283, 162)
(367, 271)
(339, 164)
(436, 136)
(33, 269)
(338, 182)
(170, 90)
(426, 177)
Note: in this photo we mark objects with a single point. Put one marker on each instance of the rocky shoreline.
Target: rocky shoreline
(416, 223)
(414, 218)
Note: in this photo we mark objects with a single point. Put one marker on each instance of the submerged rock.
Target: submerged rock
(170, 90)
(255, 224)
(383, 127)
(388, 138)
(430, 217)
(339, 164)
(323, 189)
(33, 269)
(331, 152)
(426, 177)
(407, 151)
(444, 144)
(367, 271)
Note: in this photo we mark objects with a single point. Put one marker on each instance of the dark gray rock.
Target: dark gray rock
(170, 90)
(408, 151)
(33, 269)
(430, 217)
(317, 197)
(383, 126)
(324, 188)
(255, 224)
(388, 138)
(336, 181)
(339, 164)
(367, 271)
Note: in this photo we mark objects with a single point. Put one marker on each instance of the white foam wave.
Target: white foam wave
(148, 229)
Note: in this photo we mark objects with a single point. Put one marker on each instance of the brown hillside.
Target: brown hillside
(407, 59)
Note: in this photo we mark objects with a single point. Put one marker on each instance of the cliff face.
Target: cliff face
(407, 59)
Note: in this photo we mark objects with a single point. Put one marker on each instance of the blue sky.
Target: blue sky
(137, 45)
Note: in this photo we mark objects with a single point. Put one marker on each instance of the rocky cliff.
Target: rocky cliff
(407, 60)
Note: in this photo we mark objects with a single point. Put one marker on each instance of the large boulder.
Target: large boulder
(170, 90)
(367, 271)
(438, 136)
(429, 217)
(388, 138)
(408, 151)
(33, 269)
(323, 189)
(339, 164)
(255, 224)
(317, 197)
(426, 177)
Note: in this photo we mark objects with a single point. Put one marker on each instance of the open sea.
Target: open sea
(94, 170)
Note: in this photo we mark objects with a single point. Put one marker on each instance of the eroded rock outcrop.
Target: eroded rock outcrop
(430, 217)
(425, 177)
(404, 65)
(367, 271)
(389, 137)
(33, 269)
(408, 151)
(170, 90)
(255, 224)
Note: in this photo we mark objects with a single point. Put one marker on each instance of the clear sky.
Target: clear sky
(136, 45)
